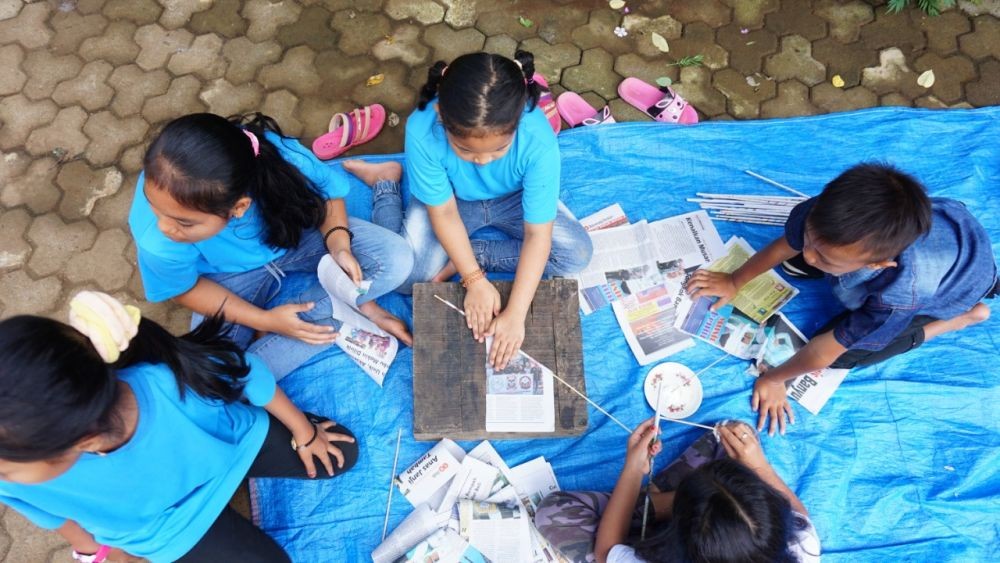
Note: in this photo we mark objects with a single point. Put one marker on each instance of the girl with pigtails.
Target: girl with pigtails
(481, 153)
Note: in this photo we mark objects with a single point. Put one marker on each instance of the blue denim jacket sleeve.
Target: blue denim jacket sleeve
(872, 327)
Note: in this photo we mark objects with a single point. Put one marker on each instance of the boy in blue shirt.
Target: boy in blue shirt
(907, 267)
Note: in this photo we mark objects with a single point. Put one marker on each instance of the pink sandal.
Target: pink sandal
(547, 104)
(348, 131)
(662, 104)
(577, 112)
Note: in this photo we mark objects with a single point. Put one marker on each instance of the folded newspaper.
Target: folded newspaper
(520, 397)
(370, 347)
(444, 546)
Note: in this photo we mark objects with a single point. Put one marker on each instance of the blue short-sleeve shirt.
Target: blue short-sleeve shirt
(943, 274)
(171, 268)
(158, 494)
(435, 173)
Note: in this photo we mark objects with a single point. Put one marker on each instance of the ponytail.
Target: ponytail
(430, 89)
(527, 63)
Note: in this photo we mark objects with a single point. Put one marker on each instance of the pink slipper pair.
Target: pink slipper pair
(662, 104)
(347, 131)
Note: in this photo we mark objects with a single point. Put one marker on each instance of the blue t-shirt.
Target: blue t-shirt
(434, 172)
(171, 268)
(943, 274)
(158, 494)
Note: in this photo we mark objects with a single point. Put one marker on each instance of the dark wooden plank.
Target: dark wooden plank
(449, 376)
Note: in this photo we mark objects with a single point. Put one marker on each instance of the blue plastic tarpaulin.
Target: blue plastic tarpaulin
(902, 463)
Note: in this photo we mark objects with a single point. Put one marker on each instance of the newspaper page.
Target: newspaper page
(370, 347)
(621, 254)
(501, 532)
(611, 216)
(444, 546)
(727, 328)
(763, 295)
(647, 319)
(428, 478)
(520, 397)
(420, 523)
(479, 481)
(542, 551)
(534, 480)
(781, 341)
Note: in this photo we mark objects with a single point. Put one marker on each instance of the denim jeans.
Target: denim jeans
(571, 245)
(385, 259)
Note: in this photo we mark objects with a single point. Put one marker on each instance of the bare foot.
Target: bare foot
(446, 273)
(372, 172)
(975, 315)
(387, 321)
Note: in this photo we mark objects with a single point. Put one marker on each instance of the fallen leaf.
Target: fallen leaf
(664, 81)
(389, 40)
(926, 79)
(752, 82)
(375, 79)
(525, 21)
(660, 43)
(616, 4)
(393, 119)
(837, 81)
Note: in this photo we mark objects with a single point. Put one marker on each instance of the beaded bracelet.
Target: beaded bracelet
(473, 278)
(350, 235)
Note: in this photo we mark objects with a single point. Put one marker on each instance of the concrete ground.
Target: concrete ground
(84, 84)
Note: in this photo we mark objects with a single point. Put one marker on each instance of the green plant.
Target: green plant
(930, 7)
(695, 60)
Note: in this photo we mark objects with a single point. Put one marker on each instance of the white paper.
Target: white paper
(520, 397)
(485, 452)
(475, 480)
(444, 546)
(534, 480)
(611, 216)
(427, 479)
(542, 551)
(501, 533)
(420, 523)
(338, 284)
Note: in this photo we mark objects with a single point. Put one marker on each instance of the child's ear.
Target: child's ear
(882, 265)
(241, 207)
(89, 444)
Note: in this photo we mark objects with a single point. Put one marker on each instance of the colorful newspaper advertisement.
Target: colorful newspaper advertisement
(727, 328)
(426, 481)
(444, 546)
(520, 397)
(501, 532)
(763, 295)
(611, 216)
(781, 340)
(647, 319)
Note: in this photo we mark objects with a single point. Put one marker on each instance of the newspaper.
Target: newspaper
(426, 481)
(781, 341)
(520, 397)
(479, 481)
(444, 546)
(501, 532)
(542, 551)
(611, 216)
(534, 480)
(647, 319)
(370, 347)
(763, 295)
(421, 523)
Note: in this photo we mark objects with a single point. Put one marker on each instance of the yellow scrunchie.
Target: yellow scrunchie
(108, 323)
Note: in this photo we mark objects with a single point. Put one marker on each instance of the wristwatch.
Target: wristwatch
(99, 557)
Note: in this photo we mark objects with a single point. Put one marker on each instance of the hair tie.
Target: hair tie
(444, 70)
(253, 142)
(108, 323)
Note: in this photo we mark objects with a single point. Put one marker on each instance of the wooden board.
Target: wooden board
(449, 374)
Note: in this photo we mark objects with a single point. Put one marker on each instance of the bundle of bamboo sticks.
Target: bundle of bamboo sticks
(757, 209)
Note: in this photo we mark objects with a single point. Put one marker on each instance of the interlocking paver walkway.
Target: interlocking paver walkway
(85, 83)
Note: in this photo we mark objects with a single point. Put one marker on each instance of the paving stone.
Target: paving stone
(12, 79)
(747, 50)
(356, 5)
(712, 12)
(950, 74)
(56, 242)
(501, 45)
(403, 44)
(180, 98)
(295, 72)
(339, 74)
(845, 18)
(89, 89)
(394, 92)
(942, 31)
(895, 99)
(131, 160)
(594, 73)
(929, 102)
(29, 184)
(624, 112)
(133, 86)
(72, 28)
(695, 86)
(109, 135)
(312, 29)
(894, 30)
(281, 106)
(359, 31)
(892, 75)
(312, 114)
(796, 19)
(21, 295)
(223, 98)
(28, 26)
(641, 29)
(114, 45)
(82, 186)
(795, 61)
(599, 31)
(447, 43)
(245, 58)
(266, 17)
(14, 250)
(460, 13)
(85, 6)
(222, 17)
(423, 11)
(829, 98)
(44, 71)
(846, 60)
(751, 13)
(645, 69)
(699, 39)
(984, 41)
(63, 136)
(978, 7)
(112, 212)
(19, 116)
(176, 13)
(743, 99)
(986, 90)
(203, 58)
(139, 12)
(550, 60)
(555, 25)
(157, 45)
(9, 9)
(792, 100)
(104, 264)
(494, 19)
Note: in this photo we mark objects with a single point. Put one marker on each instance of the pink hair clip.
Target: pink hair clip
(253, 142)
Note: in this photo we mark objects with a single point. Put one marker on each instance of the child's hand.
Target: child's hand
(741, 443)
(769, 400)
(284, 319)
(641, 447)
(508, 335)
(712, 284)
(349, 264)
(482, 303)
(322, 448)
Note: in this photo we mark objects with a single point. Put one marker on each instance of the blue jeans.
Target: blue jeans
(385, 259)
(571, 245)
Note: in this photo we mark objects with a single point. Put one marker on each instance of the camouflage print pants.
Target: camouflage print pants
(569, 519)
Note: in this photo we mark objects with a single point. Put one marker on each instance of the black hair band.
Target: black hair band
(350, 235)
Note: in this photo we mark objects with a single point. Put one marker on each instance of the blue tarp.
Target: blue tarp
(901, 465)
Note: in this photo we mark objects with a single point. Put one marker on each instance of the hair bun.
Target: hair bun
(108, 323)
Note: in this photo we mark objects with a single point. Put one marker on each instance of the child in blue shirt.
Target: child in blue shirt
(139, 445)
(907, 268)
(480, 153)
(225, 208)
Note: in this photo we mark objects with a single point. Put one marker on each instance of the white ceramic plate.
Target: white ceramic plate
(681, 395)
